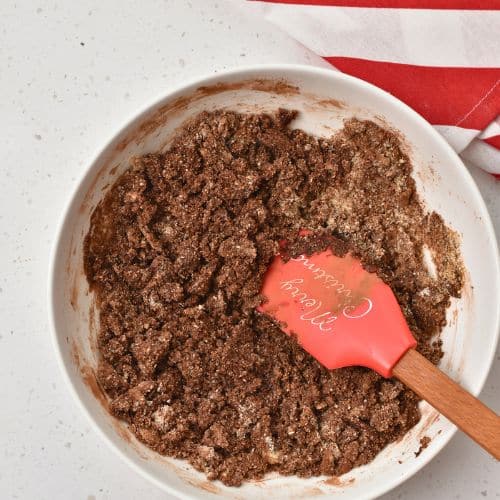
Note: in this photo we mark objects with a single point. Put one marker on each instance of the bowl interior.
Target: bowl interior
(324, 98)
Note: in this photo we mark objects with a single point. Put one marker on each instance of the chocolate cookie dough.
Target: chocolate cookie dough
(176, 254)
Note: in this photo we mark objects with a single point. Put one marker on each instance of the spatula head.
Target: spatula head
(340, 313)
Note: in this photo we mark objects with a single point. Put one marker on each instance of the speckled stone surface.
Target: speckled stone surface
(71, 73)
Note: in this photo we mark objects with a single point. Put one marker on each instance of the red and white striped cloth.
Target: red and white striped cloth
(441, 57)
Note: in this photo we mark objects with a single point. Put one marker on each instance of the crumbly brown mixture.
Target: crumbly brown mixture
(176, 255)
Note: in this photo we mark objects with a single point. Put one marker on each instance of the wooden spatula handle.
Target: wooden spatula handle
(454, 402)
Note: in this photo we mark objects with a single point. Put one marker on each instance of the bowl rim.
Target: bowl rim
(210, 79)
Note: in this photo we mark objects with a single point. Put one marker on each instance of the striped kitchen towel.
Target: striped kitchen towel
(441, 57)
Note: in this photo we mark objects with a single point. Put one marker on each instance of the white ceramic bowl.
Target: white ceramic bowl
(324, 98)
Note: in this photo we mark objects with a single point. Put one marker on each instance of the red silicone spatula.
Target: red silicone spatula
(344, 316)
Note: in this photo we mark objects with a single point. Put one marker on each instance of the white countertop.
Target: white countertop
(71, 73)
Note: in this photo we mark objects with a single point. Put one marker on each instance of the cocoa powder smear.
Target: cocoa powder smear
(176, 254)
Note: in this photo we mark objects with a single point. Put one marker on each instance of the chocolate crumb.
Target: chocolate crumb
(176, 253)
(424, 442)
